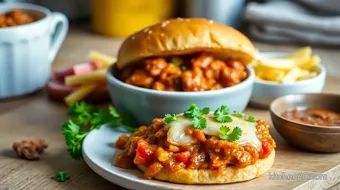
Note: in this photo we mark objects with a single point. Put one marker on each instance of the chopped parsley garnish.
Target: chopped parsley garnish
(199, 122)
(184, 68)
(251, 118)
(86, 118)
(239, 114)
(61, 176)
(176, 62)
(170, 118)
(196, 114)
(231, 137)
(177, 81)
(222, 115)
(195, 111)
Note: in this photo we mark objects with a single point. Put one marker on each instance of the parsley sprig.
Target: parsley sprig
(231, 137)
(196, 114)
(195, 111)
(170, 118)
(86, 118)
(222, 115)
(249, 118)
(61, 176)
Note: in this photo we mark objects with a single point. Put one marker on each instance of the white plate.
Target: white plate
(99, 154)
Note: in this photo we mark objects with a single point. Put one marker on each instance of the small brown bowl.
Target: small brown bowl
(306, 136)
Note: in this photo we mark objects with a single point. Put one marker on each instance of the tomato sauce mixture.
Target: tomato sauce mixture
(199, 72)
(149, 147)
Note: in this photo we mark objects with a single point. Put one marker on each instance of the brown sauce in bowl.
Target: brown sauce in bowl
(314, 116)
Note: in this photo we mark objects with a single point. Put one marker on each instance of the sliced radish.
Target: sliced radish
(60, 75)
(96, 65)
(83, 68)
(56, 90)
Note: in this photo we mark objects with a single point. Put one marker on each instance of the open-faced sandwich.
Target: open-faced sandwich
(199, 147)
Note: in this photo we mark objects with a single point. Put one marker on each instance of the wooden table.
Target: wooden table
(35, 116)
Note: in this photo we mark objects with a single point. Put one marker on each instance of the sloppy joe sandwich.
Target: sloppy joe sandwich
(185, 55)
(199, 147)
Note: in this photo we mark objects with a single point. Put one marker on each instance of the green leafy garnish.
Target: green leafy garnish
(195, 111)
(184, 68)
(231, 137)
(86, 118)
(177, 81)
(222, 115)
(251, 118)
(74, 138)
(239, 114)
(170, 118)
(199, 122)
(81, 112)
(61, 176)
(176, 62)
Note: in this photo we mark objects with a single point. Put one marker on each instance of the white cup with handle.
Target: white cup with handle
(27, 51)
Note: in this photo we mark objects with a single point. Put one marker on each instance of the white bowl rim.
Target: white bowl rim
(248, 81)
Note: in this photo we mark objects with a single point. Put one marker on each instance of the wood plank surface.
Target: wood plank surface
(35, 116)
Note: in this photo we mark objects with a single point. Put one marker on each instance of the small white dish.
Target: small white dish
(264, 92)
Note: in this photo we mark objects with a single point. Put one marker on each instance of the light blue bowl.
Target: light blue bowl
(265, 92)
(147, 104)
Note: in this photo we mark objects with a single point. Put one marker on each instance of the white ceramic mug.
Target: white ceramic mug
(27, 51)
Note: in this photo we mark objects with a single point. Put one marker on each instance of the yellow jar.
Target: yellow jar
(121, 18)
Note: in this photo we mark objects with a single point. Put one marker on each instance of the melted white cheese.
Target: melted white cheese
(177, 136)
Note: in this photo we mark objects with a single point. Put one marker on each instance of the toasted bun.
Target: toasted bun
(184, 36)
(232, 175)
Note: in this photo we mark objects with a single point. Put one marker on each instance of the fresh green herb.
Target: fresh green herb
(251, 118)
(177, 81)
(61, 176)
(86, 118)
(170, 118)
(176, 62)
(199, 122)
(99, 118)
(184, 68)
(222, 115)
(239, 114)
(195, 111)
(113, 112)
(74, 138)
(231, 137)
(81, 112)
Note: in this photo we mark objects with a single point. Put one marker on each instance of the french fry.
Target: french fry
(275, 75)
(304, 75)
(277, 63)
(292, 76)
(299, 65)
(92, 77)
(310, 63)
(79, 94)
(301, 55)
(102, 58)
